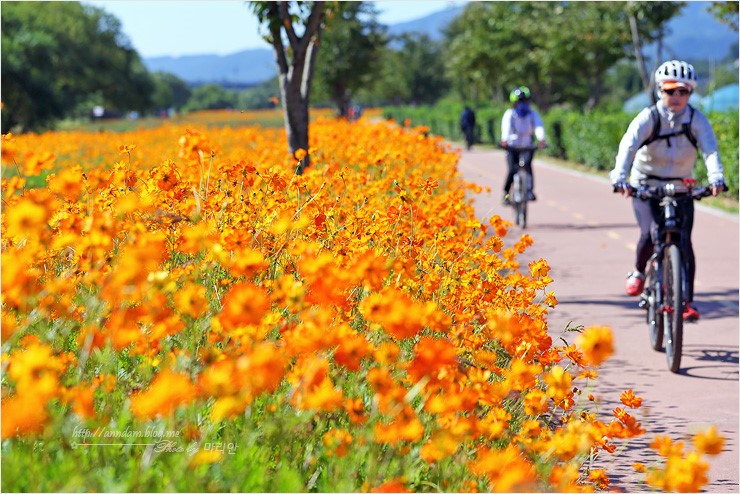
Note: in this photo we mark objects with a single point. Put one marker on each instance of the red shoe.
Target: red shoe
(634, 284)
(690, 313)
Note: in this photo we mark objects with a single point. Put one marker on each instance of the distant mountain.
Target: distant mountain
(694, 35)
(433, 25)
(241, 68)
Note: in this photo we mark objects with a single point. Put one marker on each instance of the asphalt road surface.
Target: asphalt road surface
(588, 234)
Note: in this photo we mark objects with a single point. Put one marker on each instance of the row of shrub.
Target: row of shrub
(589, 138)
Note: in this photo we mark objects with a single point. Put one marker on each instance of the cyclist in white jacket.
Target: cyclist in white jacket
(518, 125)
(658, 148)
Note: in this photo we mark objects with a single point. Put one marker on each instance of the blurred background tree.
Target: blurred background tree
(55, 55)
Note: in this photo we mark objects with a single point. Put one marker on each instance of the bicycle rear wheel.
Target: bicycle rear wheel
(654, 318)
(673, 307)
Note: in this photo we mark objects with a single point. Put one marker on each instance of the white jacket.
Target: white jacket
(658, 159)
(517, 131)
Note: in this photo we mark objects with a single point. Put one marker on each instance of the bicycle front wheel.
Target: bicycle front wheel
(673, 307)
(654, 318)
(520, 198)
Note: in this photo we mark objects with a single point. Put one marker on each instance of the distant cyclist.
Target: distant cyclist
(660, 148)
(518, 126)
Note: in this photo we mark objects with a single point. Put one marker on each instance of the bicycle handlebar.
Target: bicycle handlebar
(670, 190)
(514, 148)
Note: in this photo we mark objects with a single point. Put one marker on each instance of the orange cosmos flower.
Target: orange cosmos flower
(680, 474)
(599, 478)
(352, 348)
(126, 148)
(709, 442)
(246, 262)
(523, 243)
(442, 444)
(25, 218)
(355, 410)
(507, 469)
(539, 268)
(23, 415)
(191, 300)
(559, 384)
(404, 427)
(430, 356)
(67, 183)
(393, 485)
(167, 391)
(323, 396)
(597, 344)
(245, 303)
(337, 442)
(429, 185)
(399, 314)
(36, 162)
(35, 370)
(535, 402)
(564, 478)
(629, 399)
(197, 237)
(82, 399)
(522, 375)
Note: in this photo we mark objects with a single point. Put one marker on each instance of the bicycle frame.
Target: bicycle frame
(521, 185)
(665, 299)
(668, 234)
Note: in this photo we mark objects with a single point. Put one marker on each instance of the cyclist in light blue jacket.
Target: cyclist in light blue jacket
(658, 148)
(518, 127)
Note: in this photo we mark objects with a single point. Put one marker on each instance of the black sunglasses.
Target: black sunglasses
(680, 91)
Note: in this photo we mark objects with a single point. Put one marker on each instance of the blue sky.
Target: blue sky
(176, 28)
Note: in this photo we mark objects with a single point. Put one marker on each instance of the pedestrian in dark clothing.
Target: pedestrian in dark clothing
(467, 125)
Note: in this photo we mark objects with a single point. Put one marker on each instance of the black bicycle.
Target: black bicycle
(666, 281)
(521, 185)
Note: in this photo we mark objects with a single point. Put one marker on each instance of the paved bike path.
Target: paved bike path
(588, 235)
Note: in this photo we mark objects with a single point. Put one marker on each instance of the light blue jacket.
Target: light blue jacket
(518, 131)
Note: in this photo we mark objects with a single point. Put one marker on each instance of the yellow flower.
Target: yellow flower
(596, 343)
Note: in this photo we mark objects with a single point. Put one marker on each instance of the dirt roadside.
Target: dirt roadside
(587, 235)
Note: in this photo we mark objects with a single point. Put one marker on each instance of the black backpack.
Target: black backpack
(685, 129)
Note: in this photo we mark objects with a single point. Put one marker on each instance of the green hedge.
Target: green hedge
(589, 138)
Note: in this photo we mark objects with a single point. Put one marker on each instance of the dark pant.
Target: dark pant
(512, 158)
(649, 216)
(469, 136)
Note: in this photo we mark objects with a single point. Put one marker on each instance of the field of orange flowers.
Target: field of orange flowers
(180, 312)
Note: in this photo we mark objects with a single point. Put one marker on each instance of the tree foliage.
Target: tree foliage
(210, 97)
(169, 91)
(561, 50)
(415, 72)
(58, 54)
(351, 49)
(726, 12)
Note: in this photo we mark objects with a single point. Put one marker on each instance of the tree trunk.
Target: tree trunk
(637, 44)
(295, 74)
